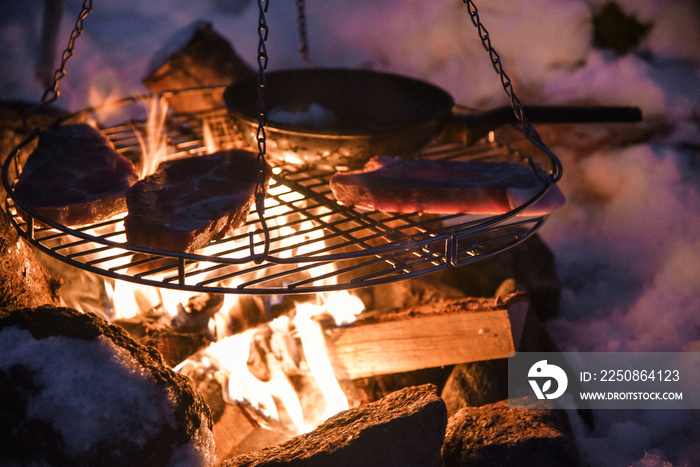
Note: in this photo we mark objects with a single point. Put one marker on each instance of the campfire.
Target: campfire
(275, 366)
(315, 329)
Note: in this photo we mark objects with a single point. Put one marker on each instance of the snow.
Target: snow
(90, 392)
(627, 243)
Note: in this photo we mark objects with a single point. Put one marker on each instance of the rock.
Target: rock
(496, 435)
(404, 429)
(476, 384)
(75, 390)
(204, 59)
(24, 282)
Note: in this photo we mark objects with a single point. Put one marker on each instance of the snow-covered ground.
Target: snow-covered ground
(628, 241)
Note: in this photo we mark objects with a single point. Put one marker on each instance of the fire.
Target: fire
(154, 148)
(262, 366)
(343, 308)
(274, 394)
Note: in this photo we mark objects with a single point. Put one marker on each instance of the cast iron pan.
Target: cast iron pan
(342, 117)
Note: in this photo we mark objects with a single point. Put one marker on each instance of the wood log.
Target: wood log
(447, 333)
(240, 430)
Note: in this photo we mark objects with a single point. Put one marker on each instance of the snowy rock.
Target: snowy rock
(77, 391)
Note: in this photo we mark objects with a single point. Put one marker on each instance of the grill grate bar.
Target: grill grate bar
(316, 244)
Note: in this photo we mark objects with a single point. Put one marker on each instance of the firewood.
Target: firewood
(23, 280)
(240, 430)
(207, 59)
(447, 333)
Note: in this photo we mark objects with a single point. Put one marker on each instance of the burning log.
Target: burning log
(176, 338)
(206, 59)
(23, 280)
(435, 335)
(496, 435)
(406, 428)
(240, 430)
(75, 390)
(237, 427)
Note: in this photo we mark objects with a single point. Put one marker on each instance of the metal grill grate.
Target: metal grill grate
(315, 244)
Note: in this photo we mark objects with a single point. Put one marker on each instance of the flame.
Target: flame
(288, 337)
(343, 307)
(154, 148)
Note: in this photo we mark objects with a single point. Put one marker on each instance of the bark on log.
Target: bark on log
(23, 280)
(447, 333)
(404, 429)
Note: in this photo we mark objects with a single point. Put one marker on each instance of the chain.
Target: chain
(529, 131)
(262, 121)
(303, 34)
(51, 93)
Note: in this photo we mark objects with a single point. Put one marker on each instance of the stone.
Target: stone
(404, 429)
(24, 282)
(206, 59)
(75, 390)
(496, 435)
(476, 384)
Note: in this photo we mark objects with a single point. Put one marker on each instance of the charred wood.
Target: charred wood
(530, 264)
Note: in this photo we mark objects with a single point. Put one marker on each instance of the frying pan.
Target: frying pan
(342, 117)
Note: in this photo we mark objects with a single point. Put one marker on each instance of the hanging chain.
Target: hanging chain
(303, 34)
(51, 93)
(529, 131)
(260, 187)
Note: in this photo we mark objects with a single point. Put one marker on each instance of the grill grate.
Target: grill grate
(315, 245)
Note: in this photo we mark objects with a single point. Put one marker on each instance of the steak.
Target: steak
(75, 176)
(189, 202)
(443, 187)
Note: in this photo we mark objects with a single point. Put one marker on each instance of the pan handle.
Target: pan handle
(468, 128)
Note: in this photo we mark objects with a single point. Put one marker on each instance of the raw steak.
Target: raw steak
(443, 187)
(188, 202)
(75, 176)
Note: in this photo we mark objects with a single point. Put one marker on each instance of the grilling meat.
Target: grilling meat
(75, 176)
(443, 187)
(188, 202)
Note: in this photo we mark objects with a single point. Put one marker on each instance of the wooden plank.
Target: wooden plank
(240, 430)
(448, 333)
